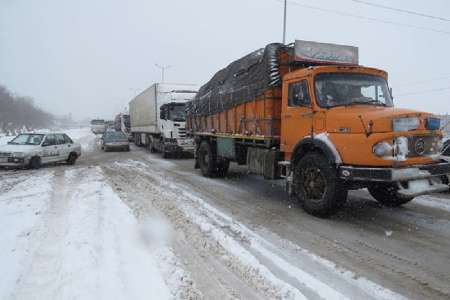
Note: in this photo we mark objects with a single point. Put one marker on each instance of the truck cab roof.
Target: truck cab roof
(313, 70)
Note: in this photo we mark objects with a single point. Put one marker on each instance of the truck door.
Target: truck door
(296, 114)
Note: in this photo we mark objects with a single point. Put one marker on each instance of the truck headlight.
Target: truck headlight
(401, 148)
(383, 149)
(405, 124)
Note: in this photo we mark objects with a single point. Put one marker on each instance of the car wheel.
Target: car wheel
(35, 163)
(72, 159)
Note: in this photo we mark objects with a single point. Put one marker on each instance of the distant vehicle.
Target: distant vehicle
(446, 152)
(158, 118)
(110, 125)
(34, 150)
(122, 123)
(115, 140)
(98, 126)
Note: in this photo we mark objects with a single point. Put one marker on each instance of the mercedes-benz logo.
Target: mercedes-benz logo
(419, 147)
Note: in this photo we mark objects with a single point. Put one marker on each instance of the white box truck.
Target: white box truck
(158, 118)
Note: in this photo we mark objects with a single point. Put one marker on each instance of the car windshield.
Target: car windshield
(114, 135)
(177, 113)
(341, 89)
(27, 139)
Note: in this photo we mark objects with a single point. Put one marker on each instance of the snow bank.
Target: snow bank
(71, 237)
(20, 215)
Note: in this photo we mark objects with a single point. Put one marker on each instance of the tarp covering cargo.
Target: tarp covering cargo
(243, 80)
(249, 77)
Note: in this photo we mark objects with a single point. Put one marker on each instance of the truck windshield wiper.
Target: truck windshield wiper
(367, 102)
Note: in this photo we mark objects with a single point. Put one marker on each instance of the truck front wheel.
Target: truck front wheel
(317, 187)
(206, 160)
(386, 194)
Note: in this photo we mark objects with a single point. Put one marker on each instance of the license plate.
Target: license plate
(3, 159)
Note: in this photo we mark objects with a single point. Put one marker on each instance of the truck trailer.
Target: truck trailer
(309, 114)
(158, 118)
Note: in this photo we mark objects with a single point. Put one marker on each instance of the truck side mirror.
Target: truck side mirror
(390, 92)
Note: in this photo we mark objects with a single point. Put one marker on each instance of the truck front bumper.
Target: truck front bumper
(412, 181)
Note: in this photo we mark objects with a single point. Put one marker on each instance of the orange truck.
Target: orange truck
(309, 114)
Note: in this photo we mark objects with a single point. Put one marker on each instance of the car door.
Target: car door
(69, 144)
(63, 147)
(51, 149)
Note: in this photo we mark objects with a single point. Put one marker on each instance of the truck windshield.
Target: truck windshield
(341, 89)
(177, 113)
(126, 121)
(27, 139)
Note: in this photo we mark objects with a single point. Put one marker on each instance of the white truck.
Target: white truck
(158, 118)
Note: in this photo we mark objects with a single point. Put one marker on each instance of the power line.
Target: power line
(424, 91)
(405, 11)
(360, 17)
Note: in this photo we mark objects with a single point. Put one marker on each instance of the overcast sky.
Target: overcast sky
(90, 57)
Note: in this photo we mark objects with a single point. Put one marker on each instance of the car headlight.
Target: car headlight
(405, 124)
(18, 154)
(383, 149)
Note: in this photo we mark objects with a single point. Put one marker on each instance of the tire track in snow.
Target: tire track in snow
(214, 221)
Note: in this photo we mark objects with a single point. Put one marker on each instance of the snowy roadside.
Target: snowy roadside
(67, 235)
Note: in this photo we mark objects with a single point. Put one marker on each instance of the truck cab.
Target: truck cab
(345, 115)
(173, 128)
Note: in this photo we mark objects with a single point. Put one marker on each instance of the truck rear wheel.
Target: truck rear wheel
(386, 194)
(317, 187)
(222, 167)
(206, 160)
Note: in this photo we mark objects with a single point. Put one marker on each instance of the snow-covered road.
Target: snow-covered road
(135, 226)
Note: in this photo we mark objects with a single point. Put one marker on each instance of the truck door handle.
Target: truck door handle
(307, 115)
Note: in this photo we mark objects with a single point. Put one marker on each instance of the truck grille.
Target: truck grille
(5, 154)
(182, 132)
(422, 145)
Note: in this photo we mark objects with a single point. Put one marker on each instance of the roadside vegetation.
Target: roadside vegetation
(20, 113)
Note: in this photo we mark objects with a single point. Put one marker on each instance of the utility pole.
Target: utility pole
(163, 70)
(284, 22)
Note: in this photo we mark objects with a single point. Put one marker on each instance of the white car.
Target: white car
(35, 149)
